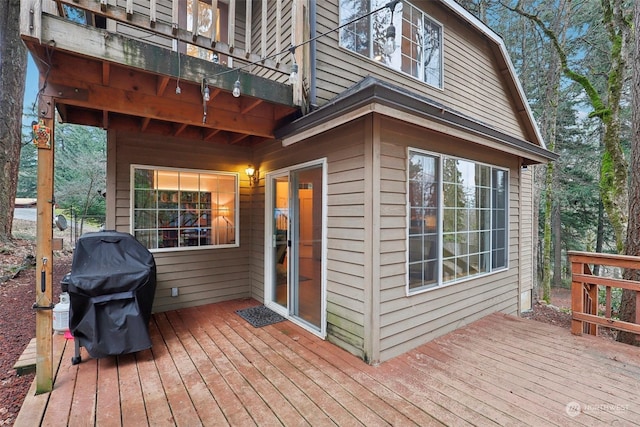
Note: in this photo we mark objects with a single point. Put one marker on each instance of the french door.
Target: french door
(294, 284)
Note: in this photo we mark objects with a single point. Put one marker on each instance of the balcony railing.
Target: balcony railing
(588, 313)
(255, 36)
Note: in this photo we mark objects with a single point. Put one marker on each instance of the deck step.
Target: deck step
(26, 363)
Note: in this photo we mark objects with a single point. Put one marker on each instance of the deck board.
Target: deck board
(208, 366)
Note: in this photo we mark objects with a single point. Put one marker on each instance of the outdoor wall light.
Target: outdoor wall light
(236, 88)
(253, 174)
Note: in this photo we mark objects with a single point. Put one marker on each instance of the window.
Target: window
(175, 209)
(458, 219)
(418, 37)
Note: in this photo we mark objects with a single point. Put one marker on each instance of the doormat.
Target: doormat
(260, 316)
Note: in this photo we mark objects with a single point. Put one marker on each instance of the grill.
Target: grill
(111, 288)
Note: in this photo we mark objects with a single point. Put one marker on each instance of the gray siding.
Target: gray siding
(202, 276)
(473, 82)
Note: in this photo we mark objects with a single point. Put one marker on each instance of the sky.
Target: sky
(31, 86)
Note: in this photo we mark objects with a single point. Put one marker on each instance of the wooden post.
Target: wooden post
(593, 309)
(43, 138)
(637, 313)
(577, 298)
(31, 18)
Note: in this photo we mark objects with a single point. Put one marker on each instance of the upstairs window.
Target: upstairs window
(458, 219)
(418, 37)
(175, 209)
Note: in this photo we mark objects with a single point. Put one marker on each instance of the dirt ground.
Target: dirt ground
(557, 313)
(17, 318)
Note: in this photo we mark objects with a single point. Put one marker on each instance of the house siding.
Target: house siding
(527, 236)
(201, 276)
(407, 321)
(368, 310)
(473, 81)
(346, 230)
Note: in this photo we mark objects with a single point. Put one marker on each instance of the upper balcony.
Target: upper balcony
(170, 66)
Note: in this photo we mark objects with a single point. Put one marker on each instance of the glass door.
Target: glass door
(280, 241)
(296, 245)
(306, 232)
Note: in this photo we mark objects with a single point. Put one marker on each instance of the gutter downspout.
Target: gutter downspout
(312, 56)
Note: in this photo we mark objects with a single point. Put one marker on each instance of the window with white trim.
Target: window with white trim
(418, 37)
(177, 209)
(457, 219)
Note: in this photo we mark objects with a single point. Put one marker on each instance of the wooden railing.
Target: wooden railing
(585, 292)
(254, 35)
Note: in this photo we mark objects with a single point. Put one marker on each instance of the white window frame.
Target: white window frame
(440, 283)
(219, 218)
(396, 57)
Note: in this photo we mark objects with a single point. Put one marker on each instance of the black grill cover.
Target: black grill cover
(111, 288)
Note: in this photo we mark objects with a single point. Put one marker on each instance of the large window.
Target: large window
(178, 208)
(418, 37)
(458, 219)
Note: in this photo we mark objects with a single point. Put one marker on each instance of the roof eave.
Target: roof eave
(362, 99)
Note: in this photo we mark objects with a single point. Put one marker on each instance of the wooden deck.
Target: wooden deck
(208, 366)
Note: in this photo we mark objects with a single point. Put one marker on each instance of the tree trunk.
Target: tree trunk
(549, 124)
(628, 304)
(13, 67)
(556, 228)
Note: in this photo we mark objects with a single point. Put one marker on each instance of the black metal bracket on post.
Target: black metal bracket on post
(35, 306)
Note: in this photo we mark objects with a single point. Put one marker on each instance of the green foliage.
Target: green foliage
(80, 168)
(28, 169)
(616, 298)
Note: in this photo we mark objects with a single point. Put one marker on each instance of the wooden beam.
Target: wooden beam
(153, 13)
(263, 30)
(105, 119)
(145, 124)
(169, 109)
(106, 73)
(175, 15)
(90, 43)
(279, 31)
(163, 81)
(249, 27)
(194, 20)
(44, 251)
(232, 25)
(250, 104)
(169, 30)
(207, 135)
(238, 138)
(31, 19)
(214, 24)
(180, 128)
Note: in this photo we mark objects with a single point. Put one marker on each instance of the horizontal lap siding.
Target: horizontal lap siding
(346, 236)
(526, 231)
(272, 46)
(473, 82)
(202, 276)
(407, 321)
